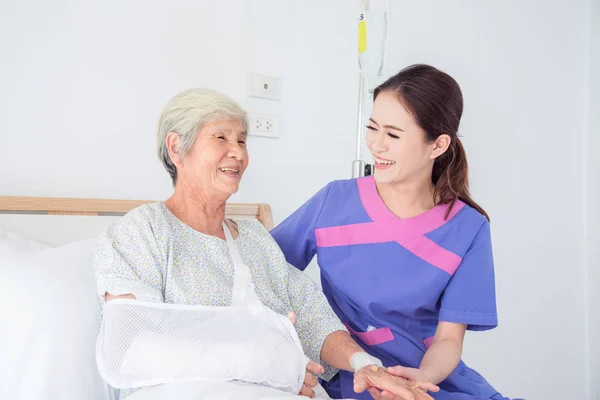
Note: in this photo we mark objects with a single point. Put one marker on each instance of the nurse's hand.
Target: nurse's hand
(382, 385)
(413, 374)
(312, 369)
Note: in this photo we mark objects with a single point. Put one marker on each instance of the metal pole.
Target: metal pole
(358, 165)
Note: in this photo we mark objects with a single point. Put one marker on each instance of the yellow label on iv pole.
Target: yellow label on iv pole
(362, 34)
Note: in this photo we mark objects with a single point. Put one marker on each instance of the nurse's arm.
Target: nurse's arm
(441, 358)
(445, 352)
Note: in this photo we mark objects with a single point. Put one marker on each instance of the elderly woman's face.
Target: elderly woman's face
(217, 159)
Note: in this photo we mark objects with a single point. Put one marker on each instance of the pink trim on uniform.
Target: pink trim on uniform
(428, 341)
(378, 211)
(374, 337)
(374, 206)
(433, 253)
(364, 233)
(386, 227)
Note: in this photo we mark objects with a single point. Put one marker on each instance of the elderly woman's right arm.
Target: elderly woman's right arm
(128, 260)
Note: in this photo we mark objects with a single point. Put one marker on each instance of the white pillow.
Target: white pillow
(11, 243)
(49, 321)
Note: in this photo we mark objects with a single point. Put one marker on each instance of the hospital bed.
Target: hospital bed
(49, 312)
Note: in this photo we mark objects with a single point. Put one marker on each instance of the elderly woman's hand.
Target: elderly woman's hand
(382, 385)
(310, 379)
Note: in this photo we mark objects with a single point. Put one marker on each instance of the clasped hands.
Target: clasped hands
(382, 383)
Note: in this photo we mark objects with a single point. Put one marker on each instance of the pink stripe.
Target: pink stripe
(378, 231)
(374, 206)
(373, 232)
(374, 337)
(345, 235)
(386, 227)
(433, 253)
(432, 219)
(378, 211)
(428, 341)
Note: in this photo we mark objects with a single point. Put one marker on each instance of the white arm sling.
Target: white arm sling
(142, 344)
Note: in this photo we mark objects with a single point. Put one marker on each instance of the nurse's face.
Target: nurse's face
(399, 147)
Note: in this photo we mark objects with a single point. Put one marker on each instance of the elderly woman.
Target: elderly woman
(179, 251)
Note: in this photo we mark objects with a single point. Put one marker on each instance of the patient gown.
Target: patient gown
(391, 280)
(156, 257)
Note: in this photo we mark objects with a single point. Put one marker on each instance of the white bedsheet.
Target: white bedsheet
(219, 391)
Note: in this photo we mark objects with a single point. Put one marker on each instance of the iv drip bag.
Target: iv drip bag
(372, 38)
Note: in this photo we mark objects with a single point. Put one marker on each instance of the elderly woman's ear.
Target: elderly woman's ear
(173, 145)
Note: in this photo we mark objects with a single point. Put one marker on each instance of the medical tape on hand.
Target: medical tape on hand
(363, 359)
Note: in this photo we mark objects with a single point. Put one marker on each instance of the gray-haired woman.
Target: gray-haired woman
(176, 251)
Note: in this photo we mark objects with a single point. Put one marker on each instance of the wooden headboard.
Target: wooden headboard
(73, 206)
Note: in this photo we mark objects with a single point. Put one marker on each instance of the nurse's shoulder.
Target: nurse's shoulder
(339, 190)
(471, 220)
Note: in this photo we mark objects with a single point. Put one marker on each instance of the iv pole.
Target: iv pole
(358, 165)
(366, 62)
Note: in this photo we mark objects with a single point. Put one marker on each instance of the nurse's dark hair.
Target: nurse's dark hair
(435, 100)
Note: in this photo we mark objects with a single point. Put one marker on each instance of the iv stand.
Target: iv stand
(368, 70)
(358, 165)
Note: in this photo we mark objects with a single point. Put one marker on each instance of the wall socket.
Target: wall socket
(263, 125)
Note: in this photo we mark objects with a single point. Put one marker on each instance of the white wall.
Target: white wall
(593, 199)
(83, 83)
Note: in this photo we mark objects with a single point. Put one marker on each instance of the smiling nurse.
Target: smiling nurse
(405, 255)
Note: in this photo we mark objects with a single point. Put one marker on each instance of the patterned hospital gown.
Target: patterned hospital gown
(158, 258)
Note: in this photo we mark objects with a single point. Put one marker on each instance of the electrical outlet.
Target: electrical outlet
(263, 125)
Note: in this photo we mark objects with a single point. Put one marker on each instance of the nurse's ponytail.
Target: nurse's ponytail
(435, 100)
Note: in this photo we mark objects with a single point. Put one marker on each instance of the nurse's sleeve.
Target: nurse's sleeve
(296, 234)
(470, 296)
(127, 260)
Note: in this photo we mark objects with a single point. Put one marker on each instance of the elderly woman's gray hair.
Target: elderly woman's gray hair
(186, 113)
